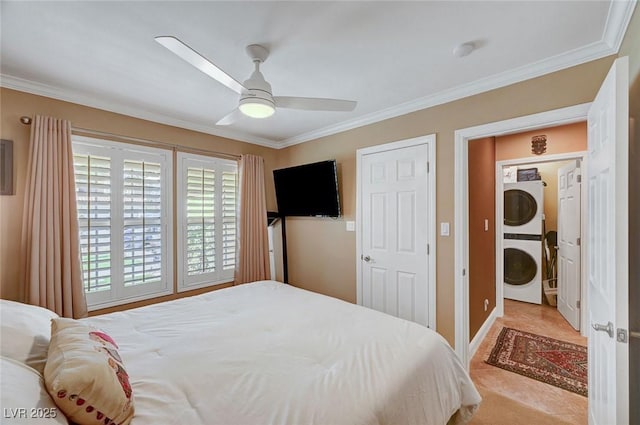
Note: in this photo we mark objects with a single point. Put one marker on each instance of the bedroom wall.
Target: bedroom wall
(14, 104)
(482, 242)
(308, 240)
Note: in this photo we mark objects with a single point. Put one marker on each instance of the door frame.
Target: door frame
(582, 156)
(430, 214)
(537, 121)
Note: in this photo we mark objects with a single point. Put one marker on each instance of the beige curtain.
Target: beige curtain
(253, 246)
(50, 245)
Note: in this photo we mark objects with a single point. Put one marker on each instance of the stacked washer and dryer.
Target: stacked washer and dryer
(522, 243)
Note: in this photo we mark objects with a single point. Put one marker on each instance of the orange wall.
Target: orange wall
(482, 243)
(561, 139)
(14, 104)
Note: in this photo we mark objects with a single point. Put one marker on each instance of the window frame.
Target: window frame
(118, 152)
(208, 279)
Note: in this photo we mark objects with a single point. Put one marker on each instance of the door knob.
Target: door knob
(608, 328)
(367, 258)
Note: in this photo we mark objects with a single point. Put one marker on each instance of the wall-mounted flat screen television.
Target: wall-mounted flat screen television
(308, 190)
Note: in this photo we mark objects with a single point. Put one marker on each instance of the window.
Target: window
(207, 220)
(124, 198)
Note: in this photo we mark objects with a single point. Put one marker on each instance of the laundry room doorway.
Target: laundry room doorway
(539, 227)
(540, 200)
(523, 168)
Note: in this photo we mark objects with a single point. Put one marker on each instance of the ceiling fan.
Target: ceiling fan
(256, 99)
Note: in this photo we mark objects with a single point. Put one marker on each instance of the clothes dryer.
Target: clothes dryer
(523, 267)
(523, 207)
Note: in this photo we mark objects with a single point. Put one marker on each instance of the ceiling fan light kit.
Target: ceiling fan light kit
(256, 98)
(256, 107)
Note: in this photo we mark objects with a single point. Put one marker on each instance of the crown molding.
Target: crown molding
(620, 13)
(555, 63)
(28, 86)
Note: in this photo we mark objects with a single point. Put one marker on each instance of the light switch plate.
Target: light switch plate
(351, 226)
(444, 229)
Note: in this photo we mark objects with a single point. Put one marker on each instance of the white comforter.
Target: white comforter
(269, 353)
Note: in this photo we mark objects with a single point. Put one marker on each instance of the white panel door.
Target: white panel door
(568, 243)
(394, 234)
(607, 248)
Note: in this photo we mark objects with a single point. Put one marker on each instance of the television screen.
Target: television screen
(308, 190)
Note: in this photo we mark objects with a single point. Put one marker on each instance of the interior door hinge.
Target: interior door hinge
(579, 241)
(579, 178)
(621, 335)
(464, 272)
(427, 166)
(578, 304)
(428, 250)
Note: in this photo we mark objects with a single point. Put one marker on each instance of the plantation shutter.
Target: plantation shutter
(124, 198)
(201, 226)
(207, 221)
(142, 208)
(93, 195)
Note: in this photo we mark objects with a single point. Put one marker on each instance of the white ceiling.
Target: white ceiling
(392, 57)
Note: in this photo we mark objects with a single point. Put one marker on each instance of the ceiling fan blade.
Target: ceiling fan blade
(203, 64)
(314, 103)
(230, 118)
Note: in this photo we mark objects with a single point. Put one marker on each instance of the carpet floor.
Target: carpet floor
(548, 360)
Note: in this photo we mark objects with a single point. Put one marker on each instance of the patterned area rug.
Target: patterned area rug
(549, 360)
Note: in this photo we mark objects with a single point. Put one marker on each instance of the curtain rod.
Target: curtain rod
(27, 121)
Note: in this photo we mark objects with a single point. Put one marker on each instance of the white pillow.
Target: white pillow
(25, 331)
(24, 398)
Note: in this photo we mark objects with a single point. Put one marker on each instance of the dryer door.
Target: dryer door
(519, 207)
(522, 274)
(519, 267)
(523, 207)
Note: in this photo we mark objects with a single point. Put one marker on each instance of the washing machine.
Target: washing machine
(523, 207)
(522, 243)
(523, 267)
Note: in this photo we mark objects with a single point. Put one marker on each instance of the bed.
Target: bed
(270, 353)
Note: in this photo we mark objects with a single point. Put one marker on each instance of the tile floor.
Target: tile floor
(543, 320)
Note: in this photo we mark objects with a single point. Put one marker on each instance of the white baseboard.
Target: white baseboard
(482, 332)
